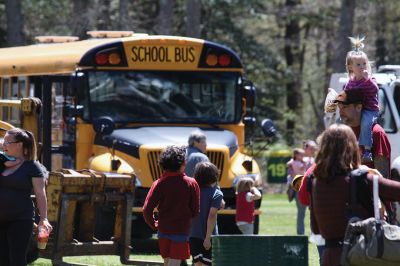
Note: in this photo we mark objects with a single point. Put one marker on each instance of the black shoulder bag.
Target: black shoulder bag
(371, 241)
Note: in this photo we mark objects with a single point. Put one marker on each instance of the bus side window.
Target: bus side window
(5, 95)
(31, 89)
(396, 97)
(62, 133)
(6, 88)
(14, 88)
(15, 95)
(22, 89)
(385, 114)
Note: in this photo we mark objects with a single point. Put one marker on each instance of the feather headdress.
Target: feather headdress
(357, 43)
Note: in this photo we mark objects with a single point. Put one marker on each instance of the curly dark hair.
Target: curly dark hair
(205, 173)
(172, 158)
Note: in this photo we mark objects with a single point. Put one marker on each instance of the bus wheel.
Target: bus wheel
(256, 224)
(227, 225)
(139, 228)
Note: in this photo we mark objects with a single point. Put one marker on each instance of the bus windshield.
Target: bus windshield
(165, 96)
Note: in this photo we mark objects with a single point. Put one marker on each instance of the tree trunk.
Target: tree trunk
(380, 26)
(165, 16)
(103, 17)
(123, 15)
(193, 12)
(328, 36)
(79, 19)
(342, 44)
(15, 34)
(293, 62)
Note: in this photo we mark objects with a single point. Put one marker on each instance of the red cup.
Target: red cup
(43, 237)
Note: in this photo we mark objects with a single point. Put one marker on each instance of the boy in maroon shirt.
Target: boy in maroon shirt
(177, 199)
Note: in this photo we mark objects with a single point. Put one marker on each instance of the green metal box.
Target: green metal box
(276, 166)
(253, 250)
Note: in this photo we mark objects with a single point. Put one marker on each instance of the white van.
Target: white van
(388, 80)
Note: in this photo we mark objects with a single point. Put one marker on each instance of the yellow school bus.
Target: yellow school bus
(114, 101)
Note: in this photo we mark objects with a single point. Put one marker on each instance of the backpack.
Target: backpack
(371, 242)
(361, 200)
(358, 192)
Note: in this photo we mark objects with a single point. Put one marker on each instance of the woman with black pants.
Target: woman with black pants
(16, 206)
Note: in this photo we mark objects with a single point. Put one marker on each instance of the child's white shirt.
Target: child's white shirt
(298, 168)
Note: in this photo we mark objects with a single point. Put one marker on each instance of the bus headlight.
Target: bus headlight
(256, 177)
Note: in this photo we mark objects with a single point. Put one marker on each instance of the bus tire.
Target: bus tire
(139, 227)
(227, 225)
(105, 221)
(256, 224)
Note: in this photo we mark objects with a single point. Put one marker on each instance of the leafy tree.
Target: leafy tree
(345, 30)
(40, 18)
(123, 18)
(193, 12)
(165, 18)
(15, 22)
(104, 15)
(289, 51)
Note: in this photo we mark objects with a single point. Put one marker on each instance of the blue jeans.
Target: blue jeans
(246, 229)
(320, 253)
(368, 118)
(301, 213)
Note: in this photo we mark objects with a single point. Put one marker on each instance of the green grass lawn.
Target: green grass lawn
(278, 218)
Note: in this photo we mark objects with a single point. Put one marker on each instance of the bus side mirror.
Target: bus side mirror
(71, 111)
(268, 128)
(249, 121)
(77, 82)
(249, 93)
(104, 125)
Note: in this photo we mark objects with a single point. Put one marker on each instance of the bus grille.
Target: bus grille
(155, 169)
(216, 158)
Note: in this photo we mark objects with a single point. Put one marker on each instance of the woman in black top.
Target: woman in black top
(16, 206)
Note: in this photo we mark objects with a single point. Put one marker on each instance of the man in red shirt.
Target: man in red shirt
(177, 200)
(350, 108)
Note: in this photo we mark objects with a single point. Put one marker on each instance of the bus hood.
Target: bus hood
(129, 140)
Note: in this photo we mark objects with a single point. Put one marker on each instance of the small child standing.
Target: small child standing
(310, 147)
(177, 199)
(205, 225)
(295, 166)
(246, 194)
(359, 72)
